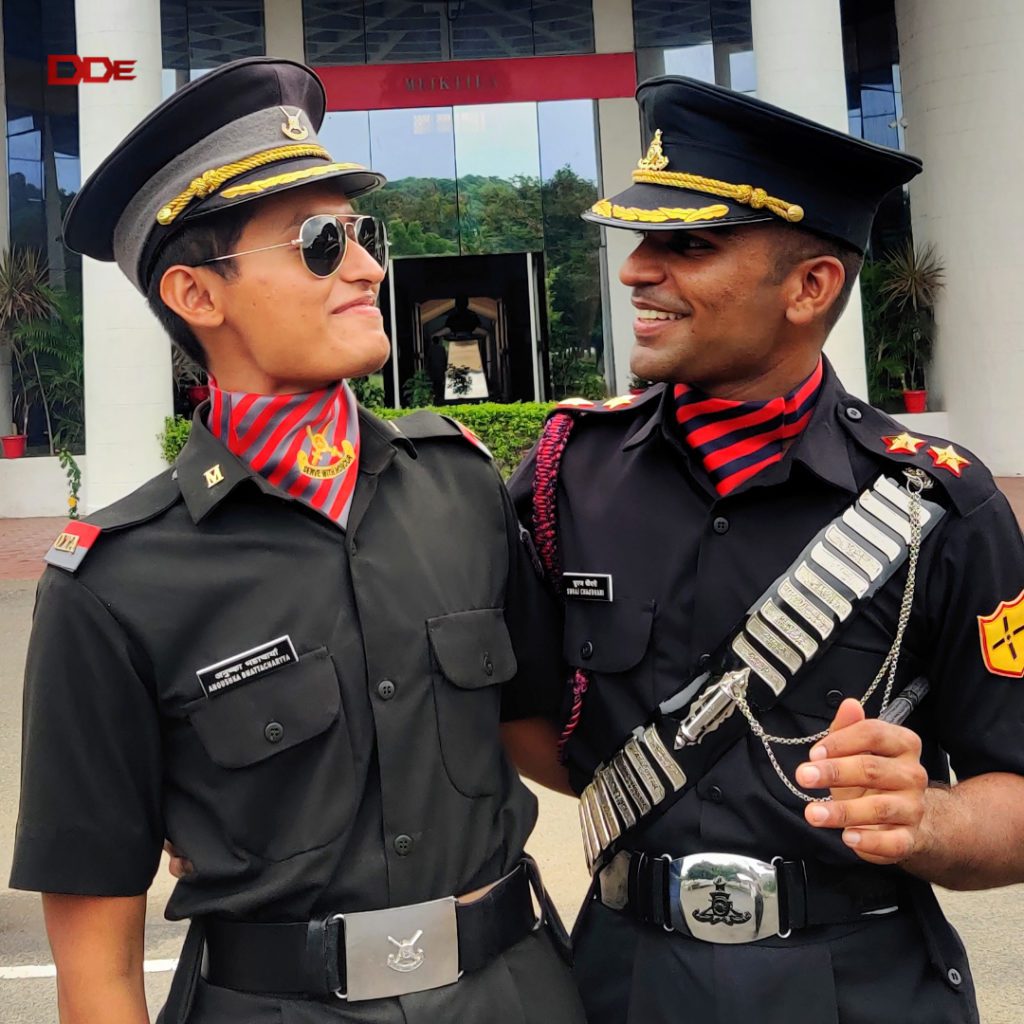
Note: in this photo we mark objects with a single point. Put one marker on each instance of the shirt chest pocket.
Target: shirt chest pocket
(473, 655)
(607, 637)
(283, 766)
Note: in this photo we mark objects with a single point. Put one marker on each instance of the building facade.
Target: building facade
(496, 123)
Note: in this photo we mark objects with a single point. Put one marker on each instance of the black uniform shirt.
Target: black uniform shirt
(687, 565)
(365, 773)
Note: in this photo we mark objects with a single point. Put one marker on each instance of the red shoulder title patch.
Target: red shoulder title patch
(68, 551)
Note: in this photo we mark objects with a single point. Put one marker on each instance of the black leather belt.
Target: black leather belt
(720, 897)
(375, 954)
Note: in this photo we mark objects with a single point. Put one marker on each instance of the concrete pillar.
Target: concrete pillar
(619, 130)
(961, 76)
(283, 29)
(127, 354)
(5, 238)
(798, 47)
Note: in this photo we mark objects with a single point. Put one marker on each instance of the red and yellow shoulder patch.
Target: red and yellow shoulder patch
(948, 458)
(1002, 638)
(68, 551)
(902, 444)
(473, 439)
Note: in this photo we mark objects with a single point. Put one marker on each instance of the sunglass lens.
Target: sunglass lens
(370, 234)
(323, 245)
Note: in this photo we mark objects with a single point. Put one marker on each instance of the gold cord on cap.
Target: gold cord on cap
(749, 195)
(605, 208)
(252, 188)
(210, 181)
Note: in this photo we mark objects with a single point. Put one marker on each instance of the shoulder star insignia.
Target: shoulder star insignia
(576, 403)
(621, 400)
(903, 444)
(949, 458)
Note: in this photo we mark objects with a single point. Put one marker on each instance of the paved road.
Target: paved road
(989, 922)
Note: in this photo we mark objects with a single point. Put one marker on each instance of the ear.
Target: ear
(194, 294)
(811, 288)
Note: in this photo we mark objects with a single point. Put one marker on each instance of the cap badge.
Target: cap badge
(294, 128)
(655, 159)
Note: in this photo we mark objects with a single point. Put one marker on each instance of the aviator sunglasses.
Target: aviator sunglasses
(323, 241)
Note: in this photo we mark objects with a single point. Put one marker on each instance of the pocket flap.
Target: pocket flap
(610, 636)
(271, 714)
(473, 648)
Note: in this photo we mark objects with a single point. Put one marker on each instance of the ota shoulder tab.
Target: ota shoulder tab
(959, 472)
(620, 403)
(424, 425)
(79, 537)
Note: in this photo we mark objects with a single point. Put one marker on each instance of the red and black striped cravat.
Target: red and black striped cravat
(307, 445)
(736, 440)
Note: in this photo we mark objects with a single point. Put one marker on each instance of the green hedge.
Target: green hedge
(508, 430)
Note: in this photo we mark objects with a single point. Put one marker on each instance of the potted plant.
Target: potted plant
(23, 297)
(899, 293)
(190, 377)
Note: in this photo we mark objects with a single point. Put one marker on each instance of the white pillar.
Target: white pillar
(5, 238)
(127, 354)
(798, 47)
(619, 130)
(962, 87)
(283, 29)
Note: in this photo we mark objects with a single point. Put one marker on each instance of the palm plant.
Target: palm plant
(24, 296)
(53, 345)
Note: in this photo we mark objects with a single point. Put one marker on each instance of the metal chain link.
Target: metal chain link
(887, 671)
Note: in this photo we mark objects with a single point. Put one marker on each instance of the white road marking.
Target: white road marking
(49, 971)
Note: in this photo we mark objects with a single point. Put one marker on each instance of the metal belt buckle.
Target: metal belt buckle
(722, 897)
(399, 950)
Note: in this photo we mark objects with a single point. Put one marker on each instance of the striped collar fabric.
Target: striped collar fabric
(736, 440)
(306, 445)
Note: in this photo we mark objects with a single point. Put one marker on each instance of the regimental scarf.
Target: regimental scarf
(307, 445)
(736, 440)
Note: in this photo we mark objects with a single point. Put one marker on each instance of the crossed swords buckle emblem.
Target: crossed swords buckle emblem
(408, 958)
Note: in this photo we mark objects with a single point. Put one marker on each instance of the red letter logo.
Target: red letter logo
(88, 69)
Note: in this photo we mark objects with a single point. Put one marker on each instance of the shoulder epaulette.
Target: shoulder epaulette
(959, 472)
(423, 425)
(79, 537)
(620, 403)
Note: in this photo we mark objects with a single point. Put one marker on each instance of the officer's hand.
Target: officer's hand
(178, 865)
(873, 770)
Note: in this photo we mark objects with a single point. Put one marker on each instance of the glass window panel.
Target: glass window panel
(335, 32)
(25, 146)
(345, 134)
(568, 149)
(671, 22)
(174, 34)
(490, 28)
(730, 22)
(400, 30)
(69, 175)
(563, 26)
(415, 149)
(742, 71)
(497, 157)
(695, 61)
(223, 30)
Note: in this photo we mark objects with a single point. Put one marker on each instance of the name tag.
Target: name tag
(588, 586)
(245, 667)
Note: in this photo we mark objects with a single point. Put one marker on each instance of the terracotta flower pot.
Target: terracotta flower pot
(915, 401)
(198, 393)
(13, 445)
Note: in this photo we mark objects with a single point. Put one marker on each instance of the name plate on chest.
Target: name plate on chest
(245, 667)
(587, 586)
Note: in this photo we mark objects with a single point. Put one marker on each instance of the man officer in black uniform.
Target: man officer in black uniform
(754, 565)
(291, 653)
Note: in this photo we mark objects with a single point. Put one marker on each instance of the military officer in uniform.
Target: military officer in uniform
(291, 653)
(755, 565)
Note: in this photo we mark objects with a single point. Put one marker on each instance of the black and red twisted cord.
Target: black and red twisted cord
(550, 449)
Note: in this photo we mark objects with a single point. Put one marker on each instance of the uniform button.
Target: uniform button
(834, 698)
(488, 665)
(720, 525)
(274, 732)
(587, 650)
(853, 413)
(704, 660)
(715, 794)
(385, 689)
(955, 977)
(403, 845)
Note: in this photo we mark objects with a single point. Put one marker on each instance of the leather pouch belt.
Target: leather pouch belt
(374, 954)
(728, 898)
